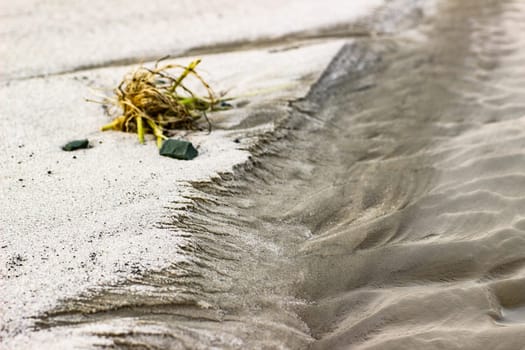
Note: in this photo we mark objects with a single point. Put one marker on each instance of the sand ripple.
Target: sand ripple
(387, 213)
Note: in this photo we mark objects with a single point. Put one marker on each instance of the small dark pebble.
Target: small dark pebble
(49, 172)
(76, 144)
(74, 157)
(237, 141)
(225, 104)
(178, 149)
(20, 179)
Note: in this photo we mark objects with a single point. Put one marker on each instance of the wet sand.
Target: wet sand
(424, 245)
(386, 212)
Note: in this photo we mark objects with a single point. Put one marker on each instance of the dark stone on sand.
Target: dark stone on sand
(76, 144)
(178, 149)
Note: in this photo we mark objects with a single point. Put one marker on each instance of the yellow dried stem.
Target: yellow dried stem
(140, 129)
(116, 124)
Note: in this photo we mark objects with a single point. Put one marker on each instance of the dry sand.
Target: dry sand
(39, 38)
(89, 217)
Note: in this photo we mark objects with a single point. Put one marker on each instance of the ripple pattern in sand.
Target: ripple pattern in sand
(388, 212)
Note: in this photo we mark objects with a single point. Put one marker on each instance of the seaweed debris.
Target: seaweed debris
(157, 101)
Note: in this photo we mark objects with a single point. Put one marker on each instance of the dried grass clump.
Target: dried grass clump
(156, 101)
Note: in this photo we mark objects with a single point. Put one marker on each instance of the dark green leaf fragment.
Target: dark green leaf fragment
(76, 144)
(178, 149)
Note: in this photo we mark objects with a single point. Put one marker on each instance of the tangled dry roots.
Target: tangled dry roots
(156, 101)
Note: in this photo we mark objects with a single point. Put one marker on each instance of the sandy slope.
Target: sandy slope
(72, 221)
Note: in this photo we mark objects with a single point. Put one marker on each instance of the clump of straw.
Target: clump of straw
(156, 101)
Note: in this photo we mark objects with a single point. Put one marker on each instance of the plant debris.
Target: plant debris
(156, 101)
(178, 149)
(76, 144)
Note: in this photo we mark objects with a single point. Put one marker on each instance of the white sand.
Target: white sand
(94, 219)
(41, 37)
